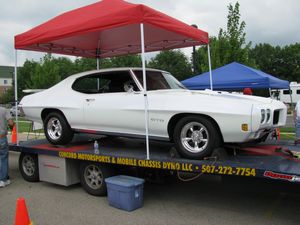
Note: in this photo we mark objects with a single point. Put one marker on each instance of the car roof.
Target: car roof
(75, 76)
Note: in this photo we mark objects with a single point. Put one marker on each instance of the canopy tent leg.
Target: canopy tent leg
(98, 55)
(16, 95)
(98, 63)
(145, 89)
(209, 65)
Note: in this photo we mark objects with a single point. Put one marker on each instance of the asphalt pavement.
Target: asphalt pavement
(207, 200)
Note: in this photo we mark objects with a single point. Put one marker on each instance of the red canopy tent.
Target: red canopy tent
(110, 28)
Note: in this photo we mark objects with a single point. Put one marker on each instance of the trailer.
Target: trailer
(78, 162)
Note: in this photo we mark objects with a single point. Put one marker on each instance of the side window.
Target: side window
(87, 84)
(298, 92)
(108, 82)
(287, 92)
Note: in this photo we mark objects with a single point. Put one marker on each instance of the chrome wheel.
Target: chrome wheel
(194, 137)
(54, 128)
(28, 165)
(93, 176)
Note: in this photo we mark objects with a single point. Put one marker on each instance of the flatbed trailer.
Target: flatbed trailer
(77, 162)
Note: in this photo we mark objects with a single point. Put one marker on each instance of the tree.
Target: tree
(173, 61)
(229, 46)
(45, 74)
(282, 62)
(65, 66)
(126, 61)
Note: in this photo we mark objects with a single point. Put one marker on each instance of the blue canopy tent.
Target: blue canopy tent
(235, 76)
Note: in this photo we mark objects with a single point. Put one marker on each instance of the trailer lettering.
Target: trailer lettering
(171, 166)
(95, 158)
(228, 170)
(187, 167)
(149, 164)
(69, 155)
(126, 161)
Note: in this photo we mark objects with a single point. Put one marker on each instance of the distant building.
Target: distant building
(6, 78)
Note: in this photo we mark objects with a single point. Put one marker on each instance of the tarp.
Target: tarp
(235, 76)
(110, 28)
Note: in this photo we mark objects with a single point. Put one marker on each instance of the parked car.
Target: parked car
(111, 102)
(13, 111)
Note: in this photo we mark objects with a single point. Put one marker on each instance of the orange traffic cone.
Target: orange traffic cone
(14, 135)
(22, 217)
(278, 134)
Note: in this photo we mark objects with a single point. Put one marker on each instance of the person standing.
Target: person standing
(5, 119)
(297, 122)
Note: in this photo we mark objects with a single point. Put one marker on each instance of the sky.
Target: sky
(267, 21)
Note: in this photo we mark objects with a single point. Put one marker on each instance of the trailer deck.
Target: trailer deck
(273, 160)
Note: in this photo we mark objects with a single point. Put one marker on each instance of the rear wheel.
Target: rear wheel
(195, 137)
(57, 129)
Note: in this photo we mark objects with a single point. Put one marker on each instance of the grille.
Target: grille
(276, 117)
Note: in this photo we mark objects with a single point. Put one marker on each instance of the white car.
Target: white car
(111, 102)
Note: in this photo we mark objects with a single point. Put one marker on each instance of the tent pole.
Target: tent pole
(209, 64)
(98, 56)
(145, 89)
(98, 63)
(16, 95)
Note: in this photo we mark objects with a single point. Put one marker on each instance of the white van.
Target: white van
(285, 95)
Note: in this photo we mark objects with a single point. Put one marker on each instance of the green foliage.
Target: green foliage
(282, 62)
(46, 73)
(229, 46)
(8, 97)
(173, 61)
(126, 61)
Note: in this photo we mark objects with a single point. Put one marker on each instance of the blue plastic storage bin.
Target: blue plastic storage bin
(125, 192)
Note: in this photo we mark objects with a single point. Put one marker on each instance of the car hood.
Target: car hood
(217, 95)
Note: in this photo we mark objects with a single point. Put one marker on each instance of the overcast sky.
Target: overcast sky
(267, 21)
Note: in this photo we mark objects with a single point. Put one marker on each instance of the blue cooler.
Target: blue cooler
(125, 192)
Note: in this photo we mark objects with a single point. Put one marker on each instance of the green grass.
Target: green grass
(25, 126)
(287, 136)
(287, 129)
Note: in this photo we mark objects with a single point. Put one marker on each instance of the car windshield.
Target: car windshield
(157, 80)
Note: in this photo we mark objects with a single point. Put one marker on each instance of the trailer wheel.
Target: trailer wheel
(92, 176)
(29, 167)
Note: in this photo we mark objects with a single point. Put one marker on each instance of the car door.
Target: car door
(113, 109)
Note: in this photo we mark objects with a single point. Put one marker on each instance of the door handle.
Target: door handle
(90, 99)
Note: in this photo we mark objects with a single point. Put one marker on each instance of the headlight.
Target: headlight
(268, 115)
(263, 115)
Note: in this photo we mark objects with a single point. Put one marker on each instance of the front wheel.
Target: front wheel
(57, 129)
(195, 137)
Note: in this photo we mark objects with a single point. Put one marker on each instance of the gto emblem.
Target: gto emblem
(157, 120)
